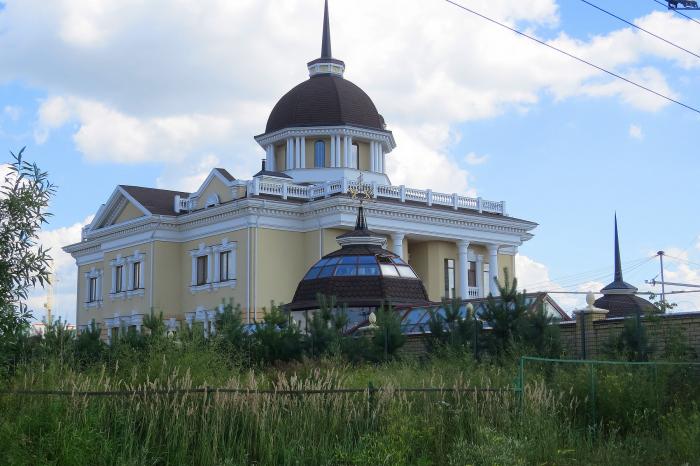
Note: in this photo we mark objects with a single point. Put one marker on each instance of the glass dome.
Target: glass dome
(360, 266)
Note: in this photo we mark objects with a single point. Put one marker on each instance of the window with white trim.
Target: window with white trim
(224, 261)
(136, 275)
(119, 279)
(202, 264)
(93, 288)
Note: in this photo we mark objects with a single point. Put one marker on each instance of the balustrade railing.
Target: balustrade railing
(285, 190)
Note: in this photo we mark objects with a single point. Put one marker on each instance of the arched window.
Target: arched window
(320, 154)
(355, 156)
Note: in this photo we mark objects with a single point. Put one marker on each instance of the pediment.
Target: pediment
(120, 208)
(215, 190)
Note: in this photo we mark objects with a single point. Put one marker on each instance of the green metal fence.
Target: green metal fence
(652, 386)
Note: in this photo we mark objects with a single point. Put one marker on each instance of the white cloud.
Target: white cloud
(679, 268)
(65, 272)
(635, 132)
(13, 112)
(200, 79)
(534, 276)
(474, 159)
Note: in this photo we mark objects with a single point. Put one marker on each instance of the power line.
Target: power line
(640, 28)
(683, 260)
(676, 11)
(570, 55)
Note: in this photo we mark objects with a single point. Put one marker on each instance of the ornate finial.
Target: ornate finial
(362, 191)
(590, 299)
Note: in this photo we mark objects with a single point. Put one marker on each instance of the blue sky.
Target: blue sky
(104, 95)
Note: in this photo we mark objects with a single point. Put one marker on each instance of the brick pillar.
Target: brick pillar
(586, 343)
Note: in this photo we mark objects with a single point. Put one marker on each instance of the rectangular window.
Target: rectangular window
(202, 262)
(118, 283)
(224, 266)
(449, 278)
(472, 274)
(319, 154)
(92, 294)
(137, 275)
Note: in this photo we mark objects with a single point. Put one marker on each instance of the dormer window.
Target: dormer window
(212, 201)
(320, 154)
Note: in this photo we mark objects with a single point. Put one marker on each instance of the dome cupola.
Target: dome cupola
(327, 123)
(361, 274)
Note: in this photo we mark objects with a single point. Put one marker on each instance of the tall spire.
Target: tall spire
(326, 42)
(618, 286)
(326, 64)
(618, 262)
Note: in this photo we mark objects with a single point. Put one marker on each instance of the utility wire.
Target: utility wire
(592, 275)
(682, 260)
(640, 28)
(570, 55)
(676, 11)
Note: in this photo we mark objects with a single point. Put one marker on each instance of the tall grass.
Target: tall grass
(387, 427)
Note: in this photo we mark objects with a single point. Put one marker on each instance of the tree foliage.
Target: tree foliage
(24, 197)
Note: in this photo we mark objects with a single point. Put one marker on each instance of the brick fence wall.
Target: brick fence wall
(588, 337)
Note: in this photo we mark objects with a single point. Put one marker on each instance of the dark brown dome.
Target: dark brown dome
(360, 276)
(325, 100)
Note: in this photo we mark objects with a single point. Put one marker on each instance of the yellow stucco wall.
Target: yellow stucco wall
(211, 299)
(166, 295)
(215, 187)
(280, 157)
(129, 212)
(282, 260)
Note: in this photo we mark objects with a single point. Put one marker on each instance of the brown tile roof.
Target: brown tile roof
(156, 201)
(225, 174)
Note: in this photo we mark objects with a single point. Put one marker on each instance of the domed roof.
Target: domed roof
(325, 100)
(360, 274)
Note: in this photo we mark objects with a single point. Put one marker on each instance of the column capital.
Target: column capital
(463, 246)
(493, 248)
(398, 236)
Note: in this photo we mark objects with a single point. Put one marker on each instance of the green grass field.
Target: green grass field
(639, 420)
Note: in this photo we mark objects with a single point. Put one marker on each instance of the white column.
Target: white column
(352, 162)
(338, 152)
(98, 287)
(303, 152)
(463, 264)
(372, 156)
(397, 248)
(297, 152)
(480, 274)
(270, 157)
(114, 279)
(290, 153)
(332, 151)
(142, 274)
(381, 159)
(125, 267)
(493, 268)
(346, 152)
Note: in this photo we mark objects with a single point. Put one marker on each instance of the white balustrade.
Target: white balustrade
(290, 190)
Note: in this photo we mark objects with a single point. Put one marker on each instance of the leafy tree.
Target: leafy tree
(24, 196)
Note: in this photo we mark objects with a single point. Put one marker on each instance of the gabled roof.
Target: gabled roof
(156, 201)
(225, 174)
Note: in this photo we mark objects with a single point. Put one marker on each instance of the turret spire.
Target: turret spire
(618, 262)
(618, 286)
(326, 64)
(326, 42)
